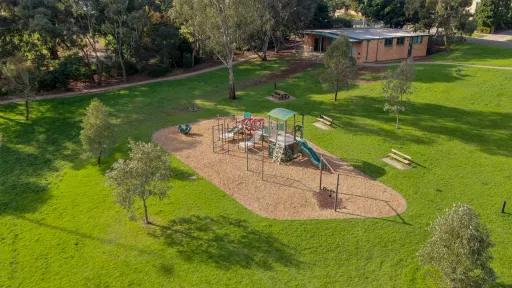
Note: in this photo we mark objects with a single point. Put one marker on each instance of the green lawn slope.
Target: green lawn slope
(60, 226)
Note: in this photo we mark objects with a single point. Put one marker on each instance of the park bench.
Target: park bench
(325, 120)
(400, 157)
(280, 95)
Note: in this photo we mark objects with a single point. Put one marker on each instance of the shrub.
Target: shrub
(484, 30)
(131, 68)
(460, 248)
(158, 71)
(188, 62)
(341, 22)
(71, 67)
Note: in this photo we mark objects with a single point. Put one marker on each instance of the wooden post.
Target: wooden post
(336, 198)
(213, 138)
(227, 141)
(246, 153)
(503, 207)
(294, 130)
(262, 154)
(321, 172)
(303, 128)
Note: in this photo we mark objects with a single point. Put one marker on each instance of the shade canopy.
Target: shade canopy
(281, 114)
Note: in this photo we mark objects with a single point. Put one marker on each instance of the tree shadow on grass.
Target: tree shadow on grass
(226, 242)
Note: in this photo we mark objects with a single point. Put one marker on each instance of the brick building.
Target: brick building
(371, 44)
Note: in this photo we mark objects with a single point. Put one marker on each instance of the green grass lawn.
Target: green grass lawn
(60, 226)
(470, 53)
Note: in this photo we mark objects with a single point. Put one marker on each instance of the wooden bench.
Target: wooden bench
(400, 157)
(325, 120)
(280, 95)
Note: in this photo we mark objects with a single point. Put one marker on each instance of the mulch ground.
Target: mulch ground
(286, 191)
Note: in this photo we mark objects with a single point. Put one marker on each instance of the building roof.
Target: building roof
(281, 114)
(359, 34)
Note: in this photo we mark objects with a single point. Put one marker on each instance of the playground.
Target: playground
(243, 163)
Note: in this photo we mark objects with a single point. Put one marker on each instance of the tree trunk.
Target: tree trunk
(146, 218)
(265, 47)
(232, 88)
(99, 159)
(397, 125)
(27, 109)
(120, 55)
(445, 37)
(336, 91)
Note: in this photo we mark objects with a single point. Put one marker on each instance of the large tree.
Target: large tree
(390, 12)
(397, 86)
(493, 14)
(222, 26)
(96, 134)
(340, 66)
(144, 174)
(451, 16)
(459, 248)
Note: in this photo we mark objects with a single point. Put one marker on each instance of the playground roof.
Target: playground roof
(281, 114)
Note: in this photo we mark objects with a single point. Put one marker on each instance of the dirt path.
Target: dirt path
(286, 191)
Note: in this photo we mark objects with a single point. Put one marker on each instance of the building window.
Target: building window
(417, 40)
(400, 41)
(388, 42)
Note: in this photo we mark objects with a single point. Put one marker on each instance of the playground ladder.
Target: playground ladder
(278, 153)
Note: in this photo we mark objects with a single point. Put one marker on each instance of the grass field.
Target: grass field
(60, 226)
(477, 54)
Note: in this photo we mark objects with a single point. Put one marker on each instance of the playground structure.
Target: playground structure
(286, 190)
(282, 139)
(282, 136)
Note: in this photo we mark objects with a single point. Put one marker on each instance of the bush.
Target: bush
(187, 60)
(484, 30)
(131, 68)
(158, 71)
(71, 67)
(340, 22)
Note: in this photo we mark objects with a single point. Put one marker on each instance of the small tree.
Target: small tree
(145, 173)
(19, 73)
(398, 84)
(340, 66)
(459, 248)
(96, 134)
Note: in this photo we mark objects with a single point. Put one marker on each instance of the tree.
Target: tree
(460, 248)
(144, 174)
(87, 24)
(340, 66)
(20, 78)
(222, 26)
(96, 134)
(493, 14)
(450, 14)
(322, 17)
(116, 26)
(398, 84)
(391, 12)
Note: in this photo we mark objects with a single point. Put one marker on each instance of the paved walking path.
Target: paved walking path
(440, 63)
(121, 86)
(501, 39)
(187, 75)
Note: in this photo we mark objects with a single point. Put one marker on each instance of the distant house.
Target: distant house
(371, 44)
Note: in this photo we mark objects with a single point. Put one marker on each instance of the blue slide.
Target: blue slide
(313, 156)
